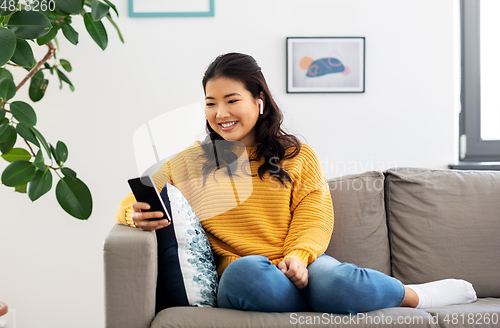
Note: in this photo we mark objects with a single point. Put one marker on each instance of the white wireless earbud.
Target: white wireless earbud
(261, 106)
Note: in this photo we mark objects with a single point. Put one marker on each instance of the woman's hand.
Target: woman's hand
(141, 218)
(296, 271)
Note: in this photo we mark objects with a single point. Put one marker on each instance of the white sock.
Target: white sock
(444, 292)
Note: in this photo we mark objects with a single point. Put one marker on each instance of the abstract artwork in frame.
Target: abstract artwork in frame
(325, 64)
(171, 8)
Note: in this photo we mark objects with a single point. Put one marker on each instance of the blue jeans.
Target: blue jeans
(252, 283)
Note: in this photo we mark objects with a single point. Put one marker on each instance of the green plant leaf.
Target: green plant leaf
(69, 173)
(48, 67)
(99, 10)
(17, 154)
(96, 31)
(49, 36)
(29, 24)
(74, 197)
(37, 91)
(4, 73)
(112, 6)
(39, 162)
(7, 145)
(38, 86)
(6, 130)
(58, 13)
(23, 112)
(7, 45)
(39, 74)
(66, 65)
(4, 7)
(7, 89)
(67, 19)
(70, 33)
(63, 77)
(59, 77)
(54, 154)
(44, 143)
(40, 184)
(116, 27)
(61, 151)
(23, 55)
(18, 173)
(2, 113)
(52, 16)
(70, 6)
(25, 132)
(57, 46)
(21, 189)
(4, 124)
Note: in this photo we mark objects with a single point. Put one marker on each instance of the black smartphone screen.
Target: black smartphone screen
(145, 191)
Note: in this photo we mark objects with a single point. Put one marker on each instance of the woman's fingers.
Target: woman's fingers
(300, 278)
(304, 279)
(282, 266)
(143, 219)
(141, 216)
(296, 271)
(152, 225)
(138, 206)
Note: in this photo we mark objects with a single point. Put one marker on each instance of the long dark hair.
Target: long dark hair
(273, 144)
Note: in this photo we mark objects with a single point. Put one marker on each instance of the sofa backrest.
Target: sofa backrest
(445, 224)
(420, 225)
(360, 229)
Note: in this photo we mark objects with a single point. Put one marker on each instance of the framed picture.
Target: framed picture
(170, 8)
(325, 64)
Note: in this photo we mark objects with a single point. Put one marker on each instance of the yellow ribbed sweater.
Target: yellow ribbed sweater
(244, 215)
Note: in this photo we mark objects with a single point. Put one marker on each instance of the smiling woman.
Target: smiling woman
(245, 101)
(231, 110)
(269, 247)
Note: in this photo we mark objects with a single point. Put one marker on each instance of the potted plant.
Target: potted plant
(26, 24)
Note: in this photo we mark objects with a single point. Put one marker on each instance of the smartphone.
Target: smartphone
(145, 191)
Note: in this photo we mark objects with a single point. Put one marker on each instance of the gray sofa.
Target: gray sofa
(417, 225)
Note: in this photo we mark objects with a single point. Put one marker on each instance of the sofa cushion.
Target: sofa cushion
(360, 230)
(186, 267)
(485, 312)
(185, 317)
(445, 224)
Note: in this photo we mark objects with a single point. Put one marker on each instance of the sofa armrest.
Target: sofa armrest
(130, 270)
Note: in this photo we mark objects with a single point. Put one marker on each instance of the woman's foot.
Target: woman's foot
(439, 293)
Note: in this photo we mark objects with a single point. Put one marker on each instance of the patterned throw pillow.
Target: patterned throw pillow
(186, 267)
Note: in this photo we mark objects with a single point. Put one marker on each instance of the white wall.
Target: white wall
(52, 263)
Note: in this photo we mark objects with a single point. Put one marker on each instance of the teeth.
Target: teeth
(228, 124)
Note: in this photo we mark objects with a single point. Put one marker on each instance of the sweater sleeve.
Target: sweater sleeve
(125, 211)
(312, 210)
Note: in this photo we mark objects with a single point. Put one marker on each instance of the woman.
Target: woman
(269, 247)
